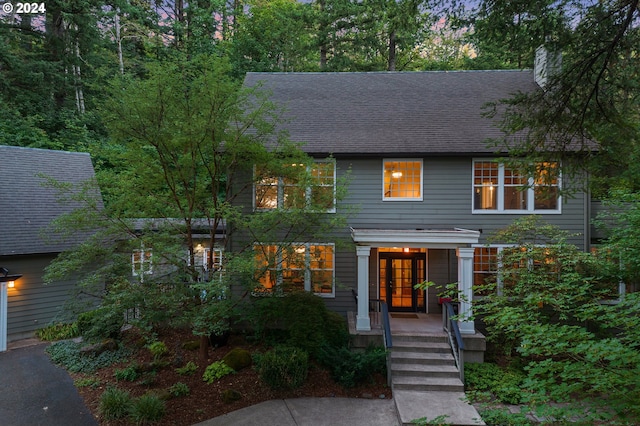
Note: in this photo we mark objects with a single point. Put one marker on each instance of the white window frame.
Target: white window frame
(308, 192)
(402, 160)
(138, 267)
(530, 193)
(307, 266)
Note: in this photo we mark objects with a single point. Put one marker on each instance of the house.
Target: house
(426, 187)
(26, 249)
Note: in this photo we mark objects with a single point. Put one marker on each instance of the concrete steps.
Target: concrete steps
(426, 382)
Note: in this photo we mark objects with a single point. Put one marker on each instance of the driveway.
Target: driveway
(35, 392)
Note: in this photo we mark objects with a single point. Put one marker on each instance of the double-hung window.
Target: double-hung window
(315, 188)
(498, 188)
(296, 267)
(141, 263)
(402, 180)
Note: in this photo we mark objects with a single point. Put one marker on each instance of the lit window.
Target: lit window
(497, 188)
(291, 192)
(141, 263)
(296, 267)
(402, 180)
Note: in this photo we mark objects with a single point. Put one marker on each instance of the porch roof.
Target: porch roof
(415, 238)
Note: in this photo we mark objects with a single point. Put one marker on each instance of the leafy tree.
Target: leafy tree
(550, 311)
(186, 142)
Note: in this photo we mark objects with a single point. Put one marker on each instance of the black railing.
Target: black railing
(450, 325)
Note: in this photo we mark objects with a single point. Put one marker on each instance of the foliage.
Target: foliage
(504, 417)
(283, 367)
(67, 353)
(147, 408)
(551, 310)
(158, 349)
(216, 371)
(129, 373)
(58, 331)
(91, 382)
(115, 403)
(505, 384)
(188, 369)
(423, 421)
(237, 359)
(299, 319)
(179, 389)
(99, 324)
(350, 368)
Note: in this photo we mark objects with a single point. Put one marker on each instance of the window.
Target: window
(498, 188)
(296, 267)
(141, 263)
(402, 180)
(294, 191)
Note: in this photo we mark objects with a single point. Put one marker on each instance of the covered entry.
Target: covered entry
(401, 263)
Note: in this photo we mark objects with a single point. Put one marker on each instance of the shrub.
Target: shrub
(158, 349)
(58, 332)
(230, 395)
(99, 324)
(147, 408)
(237, 359)
(216, 371)
(350, 368)
(88, 382)
(188, 369)
(504, 417)
(505, 384)
(179, 389)
(130, 373)
(284, 367)
(67, 353)
(114, 403)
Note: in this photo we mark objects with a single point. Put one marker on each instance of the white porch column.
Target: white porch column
(465, 289)
(3, 315)
(363, 323)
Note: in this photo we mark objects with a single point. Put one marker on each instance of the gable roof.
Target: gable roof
(26, 205)
(392, 113)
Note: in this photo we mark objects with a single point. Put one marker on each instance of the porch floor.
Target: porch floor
(400, 323)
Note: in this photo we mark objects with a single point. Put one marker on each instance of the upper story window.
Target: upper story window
(141, 263)
(315, 189)
(296, 267)
(498, 188)
(402, 180)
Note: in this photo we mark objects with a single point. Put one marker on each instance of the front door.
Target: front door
(399, 273)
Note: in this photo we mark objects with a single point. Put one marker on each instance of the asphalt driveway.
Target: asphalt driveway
(35, 392)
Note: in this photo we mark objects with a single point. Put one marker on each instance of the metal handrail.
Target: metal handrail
(450, 325)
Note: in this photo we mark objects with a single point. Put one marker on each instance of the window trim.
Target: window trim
(280, 187)
(307, 266)
(141, 271)
(407, 160)
(500, 188)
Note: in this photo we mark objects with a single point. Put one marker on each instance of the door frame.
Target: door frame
(415, 293)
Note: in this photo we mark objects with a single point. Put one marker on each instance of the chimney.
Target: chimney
(548, 64)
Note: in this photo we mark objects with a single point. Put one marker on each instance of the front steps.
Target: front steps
(426, 383)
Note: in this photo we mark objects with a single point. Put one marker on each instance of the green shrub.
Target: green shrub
(147, 408)
(88, 382)
(114, 403)
(130, 373)
(505, 384)
(99, 324)
(230, 395)
(158, 349)
(179, 389)
(238, 359)
(350, 368)
(189, 368)
(67, 353)
(284, 367)
(504, 417)
(58, 332)
(216, 371)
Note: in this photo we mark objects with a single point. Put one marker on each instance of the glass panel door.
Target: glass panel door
(399, 273)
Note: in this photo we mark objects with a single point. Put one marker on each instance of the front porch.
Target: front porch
(412, 324)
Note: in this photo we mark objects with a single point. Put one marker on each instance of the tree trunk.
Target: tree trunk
(204, 348)
(119, 41)
(391, 64)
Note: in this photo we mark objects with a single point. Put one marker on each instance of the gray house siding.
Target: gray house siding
(447, 201)
(32, 303)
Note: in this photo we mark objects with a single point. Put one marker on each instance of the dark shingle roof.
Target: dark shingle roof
(396, 113)
(26, 205)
